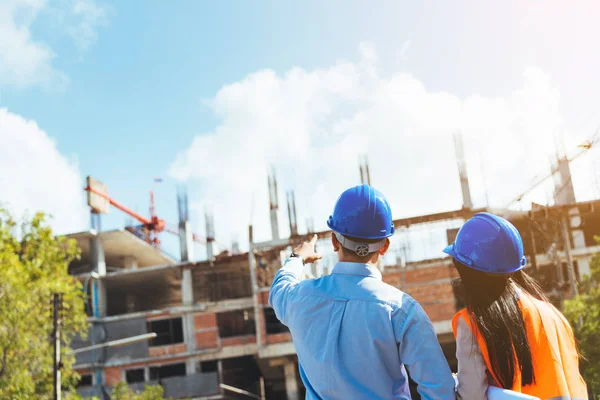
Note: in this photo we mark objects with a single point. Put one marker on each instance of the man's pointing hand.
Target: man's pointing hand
(307, 251)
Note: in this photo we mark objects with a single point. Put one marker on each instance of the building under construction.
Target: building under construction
(217, 337)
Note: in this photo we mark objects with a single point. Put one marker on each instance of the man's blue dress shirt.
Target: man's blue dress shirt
(355, 334)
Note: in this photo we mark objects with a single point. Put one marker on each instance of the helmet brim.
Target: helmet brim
(450, 250)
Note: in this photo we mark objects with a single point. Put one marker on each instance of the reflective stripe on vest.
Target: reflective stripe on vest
(553, 351)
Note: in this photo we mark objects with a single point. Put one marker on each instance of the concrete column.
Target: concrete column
(462, 170)
(274, 205)
(564, 191)
(186, 241)
(258, 312)
(187, 294)
(570, 267)
(274, 224)
(579, 241)
(97, 254)
(98, 298)
(291, 381)
(187, 288)
(190, 366)
(210, 236)
(98, 265)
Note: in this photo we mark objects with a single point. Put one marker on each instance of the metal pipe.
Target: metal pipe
(262, 388)
(240, 391)
(115, 343)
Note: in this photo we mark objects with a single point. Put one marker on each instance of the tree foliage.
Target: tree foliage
(34, 266)
(122, 392)
(583, 312)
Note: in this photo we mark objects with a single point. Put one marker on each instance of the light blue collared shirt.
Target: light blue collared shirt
(354, 335)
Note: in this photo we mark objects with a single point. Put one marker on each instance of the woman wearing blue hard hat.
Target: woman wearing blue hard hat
(509, 335)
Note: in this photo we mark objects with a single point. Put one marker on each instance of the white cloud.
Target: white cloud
(404, 49)
(35, 176)
(24, 61)
(313, 125)
(27, 61)
(83, 18)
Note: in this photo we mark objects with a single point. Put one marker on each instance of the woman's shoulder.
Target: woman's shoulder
(543, 312)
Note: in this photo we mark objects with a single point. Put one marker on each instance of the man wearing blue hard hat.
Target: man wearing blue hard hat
(355, 335)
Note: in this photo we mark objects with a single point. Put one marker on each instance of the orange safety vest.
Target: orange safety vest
(553, 351)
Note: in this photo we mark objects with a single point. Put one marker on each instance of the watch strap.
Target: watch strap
(294, 255)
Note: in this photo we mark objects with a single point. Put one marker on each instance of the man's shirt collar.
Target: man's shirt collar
(359, 269)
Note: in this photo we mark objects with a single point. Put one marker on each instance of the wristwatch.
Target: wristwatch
(297, 256)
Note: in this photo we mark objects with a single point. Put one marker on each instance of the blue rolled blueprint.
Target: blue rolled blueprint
(496, 393)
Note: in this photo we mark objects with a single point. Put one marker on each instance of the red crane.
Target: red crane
(152, 226)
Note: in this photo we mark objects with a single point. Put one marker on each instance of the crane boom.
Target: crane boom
(587, 145)
(120, 206)
(153, 225)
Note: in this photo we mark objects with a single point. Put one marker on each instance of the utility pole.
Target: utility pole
(56, 335)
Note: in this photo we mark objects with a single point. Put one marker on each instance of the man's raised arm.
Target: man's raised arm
(288, 277)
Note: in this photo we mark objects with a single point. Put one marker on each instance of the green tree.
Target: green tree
(583, 312)
(123, 392)
(33, 266)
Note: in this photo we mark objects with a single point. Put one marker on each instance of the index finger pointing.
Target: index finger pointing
(313, 241)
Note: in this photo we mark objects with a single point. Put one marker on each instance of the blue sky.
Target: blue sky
(193, 91)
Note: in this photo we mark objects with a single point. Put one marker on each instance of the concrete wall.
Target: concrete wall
(122, 329)
(192, 385)
(176, 387)
(430, 284)
(206, 331)
(88, 356)
(112, 331)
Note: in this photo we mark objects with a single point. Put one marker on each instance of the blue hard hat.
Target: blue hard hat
(362, 212)
(488, 243)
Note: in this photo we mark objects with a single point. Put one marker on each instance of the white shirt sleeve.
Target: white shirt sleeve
(472, 376)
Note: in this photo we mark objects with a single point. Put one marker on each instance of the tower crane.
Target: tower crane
(583, 148)
(151, 226)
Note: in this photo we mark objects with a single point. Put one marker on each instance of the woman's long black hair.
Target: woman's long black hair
(492, 302)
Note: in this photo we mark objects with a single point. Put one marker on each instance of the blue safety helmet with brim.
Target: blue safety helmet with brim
(488, 243)
(362, 212)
